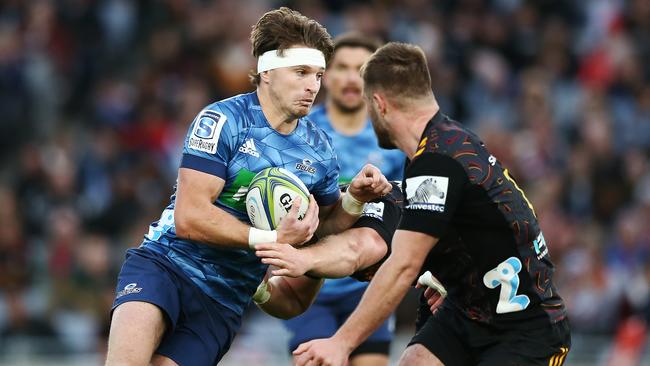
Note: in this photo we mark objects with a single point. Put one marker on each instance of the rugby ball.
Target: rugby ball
(270, 196)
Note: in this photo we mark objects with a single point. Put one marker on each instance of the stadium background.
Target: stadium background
(95, 97)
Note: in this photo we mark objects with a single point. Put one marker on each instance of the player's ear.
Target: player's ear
(264, 77)
(380, 101)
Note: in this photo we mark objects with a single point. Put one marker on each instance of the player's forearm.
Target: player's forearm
(209, 224)
(290, 299)
(343, 254)
(387, 289)
(336, 220)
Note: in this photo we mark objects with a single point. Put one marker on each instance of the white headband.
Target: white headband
(292, 57)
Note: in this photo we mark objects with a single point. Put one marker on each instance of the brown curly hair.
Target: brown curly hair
(283, 28)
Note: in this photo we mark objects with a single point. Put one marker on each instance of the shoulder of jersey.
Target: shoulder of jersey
(235, 109)
(448, 137)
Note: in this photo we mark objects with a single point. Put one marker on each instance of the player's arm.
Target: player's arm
(197, 218)
(426, 217)
(359, 249)
(366, 186)
(209, 146)
(387, 288)
(284, 297)
(334, 256)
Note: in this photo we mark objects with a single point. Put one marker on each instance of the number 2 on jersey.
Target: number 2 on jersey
(506, 275)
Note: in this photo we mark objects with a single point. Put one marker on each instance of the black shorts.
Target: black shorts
(458, 341)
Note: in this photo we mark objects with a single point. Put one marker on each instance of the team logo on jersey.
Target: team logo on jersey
(427, 192)
(249, 148)
(306, 166)
(131, 288)
(374, 210)
(206, 131)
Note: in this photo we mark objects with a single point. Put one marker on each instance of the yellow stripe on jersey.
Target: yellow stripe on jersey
(558, 358)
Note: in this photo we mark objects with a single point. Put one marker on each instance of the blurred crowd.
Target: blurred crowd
(96, 96)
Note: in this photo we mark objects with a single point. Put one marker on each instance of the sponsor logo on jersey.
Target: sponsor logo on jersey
(206, 131)
(249, 148)
(427, 192)
(131, 288)
(374, 210)
(540, 246)
(306, 166)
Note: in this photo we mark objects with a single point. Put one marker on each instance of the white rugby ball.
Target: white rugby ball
(270, 196)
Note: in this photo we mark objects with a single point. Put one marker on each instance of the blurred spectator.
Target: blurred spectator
(95, 96)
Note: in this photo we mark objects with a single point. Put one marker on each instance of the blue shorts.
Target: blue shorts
(199, 331)
(325, 317)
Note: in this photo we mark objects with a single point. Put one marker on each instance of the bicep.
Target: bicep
(195, 187)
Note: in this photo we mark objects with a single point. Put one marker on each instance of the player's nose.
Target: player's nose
(313, 84)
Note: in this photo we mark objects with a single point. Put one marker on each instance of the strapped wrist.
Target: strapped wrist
(352, 205)
(257, 236)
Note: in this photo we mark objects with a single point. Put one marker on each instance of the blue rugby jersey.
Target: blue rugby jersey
(233, 140)
(353, 152)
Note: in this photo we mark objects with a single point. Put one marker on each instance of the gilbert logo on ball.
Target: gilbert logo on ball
(270, 197)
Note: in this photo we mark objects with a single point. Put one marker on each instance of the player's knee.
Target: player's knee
(417, 354)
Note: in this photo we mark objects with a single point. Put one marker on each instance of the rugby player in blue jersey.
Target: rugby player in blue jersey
(181, 294)
(344, 118)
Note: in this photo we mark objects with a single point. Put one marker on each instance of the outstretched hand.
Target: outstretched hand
(289, 261)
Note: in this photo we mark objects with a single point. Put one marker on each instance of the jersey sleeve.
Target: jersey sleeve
(210, 142)
(383, 217)
(433, 188)
(327, 191)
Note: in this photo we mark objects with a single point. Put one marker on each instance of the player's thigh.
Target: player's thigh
(136, 330)
(417, 354)
(443, 338)
(160, 360)
(539, 345)
(317, 322)
(369, 359)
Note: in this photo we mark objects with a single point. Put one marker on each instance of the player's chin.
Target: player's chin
(302, 110)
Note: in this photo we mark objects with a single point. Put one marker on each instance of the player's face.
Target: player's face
(294, 88)
(343, 80)
(379, 124)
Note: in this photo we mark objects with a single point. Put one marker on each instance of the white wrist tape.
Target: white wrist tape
(352, 205)
(257, 236)
(428, 280)
(270, 60)
(262, 294)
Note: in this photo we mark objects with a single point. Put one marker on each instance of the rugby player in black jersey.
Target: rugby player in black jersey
(465, 220)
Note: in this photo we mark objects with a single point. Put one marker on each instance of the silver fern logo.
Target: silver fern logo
(427, 192)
